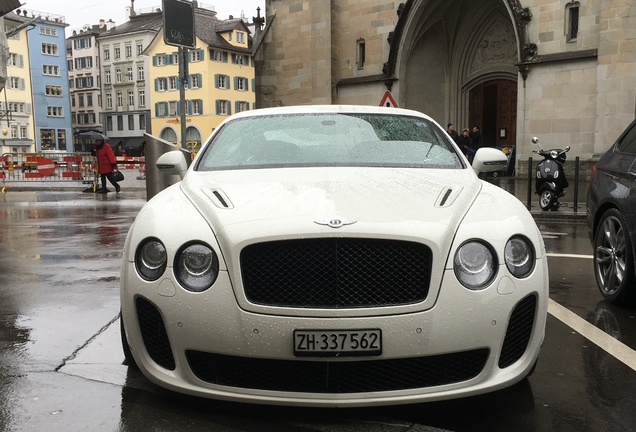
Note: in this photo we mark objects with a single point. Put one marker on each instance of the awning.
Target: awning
(130, 143)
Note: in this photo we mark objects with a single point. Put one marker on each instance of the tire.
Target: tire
(547, 199)
(613, 259)
(128, 356)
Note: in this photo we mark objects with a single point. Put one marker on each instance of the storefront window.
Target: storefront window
(61, 139)
(47, 139)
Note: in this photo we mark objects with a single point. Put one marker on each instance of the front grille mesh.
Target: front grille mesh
(336, 273)
(519, 331)
(337, 377)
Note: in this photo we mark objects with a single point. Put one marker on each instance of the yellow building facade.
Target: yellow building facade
(18, 126)
(220, 80)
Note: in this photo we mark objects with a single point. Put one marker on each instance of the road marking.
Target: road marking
(612, 346)
(556, 255)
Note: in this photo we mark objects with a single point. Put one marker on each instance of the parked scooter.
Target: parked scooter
(550, 176)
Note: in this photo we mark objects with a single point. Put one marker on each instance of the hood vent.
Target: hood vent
(218, 198)
(447, 196)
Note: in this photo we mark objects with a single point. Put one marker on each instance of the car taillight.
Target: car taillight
(593, 172)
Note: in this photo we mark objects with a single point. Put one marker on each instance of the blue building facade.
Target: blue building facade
(50, 86)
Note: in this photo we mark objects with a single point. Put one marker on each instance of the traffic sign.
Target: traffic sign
(46, 167)
(388, 101)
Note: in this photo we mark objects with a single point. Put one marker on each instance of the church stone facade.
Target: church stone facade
(562, 70)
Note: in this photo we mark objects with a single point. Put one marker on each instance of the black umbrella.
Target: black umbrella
(92, 135)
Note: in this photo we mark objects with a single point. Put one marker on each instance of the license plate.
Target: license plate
(332, 343)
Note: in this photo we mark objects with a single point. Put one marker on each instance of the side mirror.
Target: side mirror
(173, 162)
(535, 140)
(489, 159)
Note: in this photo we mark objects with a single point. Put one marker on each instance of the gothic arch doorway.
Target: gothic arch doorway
(493, 107)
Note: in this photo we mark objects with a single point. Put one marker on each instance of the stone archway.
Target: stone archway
(459, 63)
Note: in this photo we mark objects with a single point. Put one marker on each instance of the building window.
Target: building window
(140, 49)
(131, 122)
(218, 56)
(172, 108)
(107, 76)
(128, 49)
(48, 31)
(23, 132)
(47, 138)
(195, 106)
(142, 121)
(54, 111)
(106, 54)
(109, 123)
(572, 21)
(240, 37)
(223, 107)
(360, 53)
(140, 73)
(172, 83)
(16, 60)
(51, 70)
(195, 81)
(49, 49)
(240, 83)
(80, 101)
(129, 74)
(120, 123)
(161, 84)
(117, 53)
(142, 98)
(16, 83)
(159, 60)
(242, 106)
(89, 100)
(52, 90)
(118, 75)
(131, 98)
(240, 59)
(109, 100)
(222, 81)
(120, 99)
(196, 56)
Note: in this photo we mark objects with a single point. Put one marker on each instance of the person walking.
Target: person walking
(106, 164)
(475, 143)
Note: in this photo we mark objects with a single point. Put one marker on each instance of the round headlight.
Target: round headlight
(519, 257)
(196, 267)
(151, 259)
(475, 265)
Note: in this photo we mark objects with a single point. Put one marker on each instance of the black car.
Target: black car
(611, 204)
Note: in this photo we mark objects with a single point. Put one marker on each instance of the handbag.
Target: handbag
(118, 176)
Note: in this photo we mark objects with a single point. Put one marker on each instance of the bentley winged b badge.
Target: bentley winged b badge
(335, 223)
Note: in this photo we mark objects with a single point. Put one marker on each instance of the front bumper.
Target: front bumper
(204, 344)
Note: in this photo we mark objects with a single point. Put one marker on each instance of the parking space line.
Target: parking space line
(612, 346)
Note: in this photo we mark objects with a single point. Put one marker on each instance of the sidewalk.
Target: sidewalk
(516, 186)
(519, 188)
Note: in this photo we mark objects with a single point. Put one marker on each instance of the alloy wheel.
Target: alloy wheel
(609, 255)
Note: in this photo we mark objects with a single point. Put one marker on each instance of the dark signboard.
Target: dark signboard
(178, 23)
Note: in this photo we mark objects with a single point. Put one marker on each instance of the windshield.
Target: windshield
(332, 139)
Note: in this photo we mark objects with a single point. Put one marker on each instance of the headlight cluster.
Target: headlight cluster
(196, 265)
(476, 263)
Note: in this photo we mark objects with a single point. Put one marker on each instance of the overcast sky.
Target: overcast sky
(78, 12)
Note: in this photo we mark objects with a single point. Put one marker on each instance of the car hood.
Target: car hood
(256, 205)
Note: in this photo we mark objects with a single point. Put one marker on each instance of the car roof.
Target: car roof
(319, 109)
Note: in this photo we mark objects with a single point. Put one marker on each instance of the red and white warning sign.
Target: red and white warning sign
(388, 101)
(46, 167)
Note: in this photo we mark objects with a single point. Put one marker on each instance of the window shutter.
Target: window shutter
(247, 84)
(200, 81)
(202, 54)
(178, 108)
(21, 83)
(236, 106)
(224, 57)
(21, 60)
(154, 60)
(253, 85)
(28, 108)
(157, 110)
(233, 58)
(229, 108)
(216, 80)
(200, 106)
(236, 84)
(218, 107)
(189, 103)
